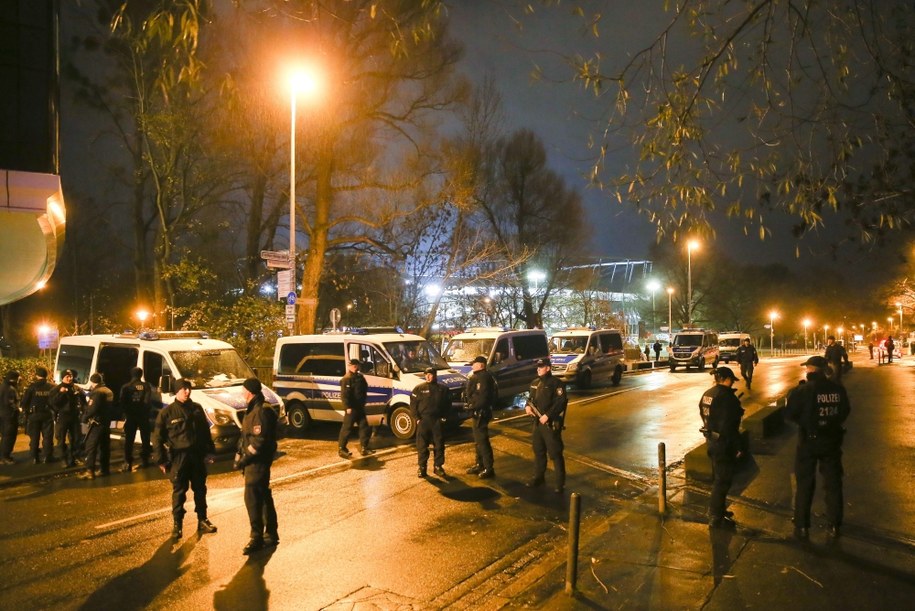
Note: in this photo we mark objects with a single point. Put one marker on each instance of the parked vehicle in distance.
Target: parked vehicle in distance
(728, 343)
(583, 356)
(308, 369)
(216, 370)
(511, 356)
(692, 347)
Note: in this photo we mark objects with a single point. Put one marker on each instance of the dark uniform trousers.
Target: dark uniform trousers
(429, 430)
(548, 441)
(481, 441)
(67, 427)
(365, 432)
(98, 446)
(259, 500)
(723, 469)
(828, 455)
(9, 430)
(41, 430)
(188, 470)
(137, 421)
(746, 371)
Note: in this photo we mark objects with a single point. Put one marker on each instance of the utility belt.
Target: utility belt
(710, 435)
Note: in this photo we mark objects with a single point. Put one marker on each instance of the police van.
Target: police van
(694, 347)
(584, 356)
(216, 370)
(511, 355)
(728, 343)
(308, 369)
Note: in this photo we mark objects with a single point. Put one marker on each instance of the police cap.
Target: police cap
(479, 359)
(816, 361)
(429, 370)
(723, 373)
(543, 362)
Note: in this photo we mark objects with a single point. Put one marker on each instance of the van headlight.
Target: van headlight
(573, 367)
(221, 417)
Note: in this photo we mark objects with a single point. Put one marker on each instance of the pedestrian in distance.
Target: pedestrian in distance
(256, 450)
(819, 407)
(748, 359)
(837, 358)
(183, 448)
(870, 349)
(890, 346)
(136, 400)
(657, 350)
(481, 395)
(68, 404)
(353, 393)
(429, 405)
(9, 416)
(97, 420)
(36, 405)
(721, 413)
(647, 352)
(547, 404)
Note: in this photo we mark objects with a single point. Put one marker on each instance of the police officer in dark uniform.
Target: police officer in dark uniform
(721, 412)
(9, 416)
(256, 449)
(429, 404)
(40, 424)
(98, 418)
(481, 394)
(136, 400)
(67, 402)
(353, 393)
(819, 407)
(836, 357)
(547, 404)
(747, 358)
(184, 447)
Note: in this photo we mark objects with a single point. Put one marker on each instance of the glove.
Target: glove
(241, 461)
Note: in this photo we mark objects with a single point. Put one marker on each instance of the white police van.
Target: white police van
(728, 343)
(308, 369)
(511, 355)
(216, 370)
(583, 356)
(694, 347)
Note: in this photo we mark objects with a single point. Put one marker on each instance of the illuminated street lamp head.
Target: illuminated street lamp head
(692, 245)
(142, 315)
(806, 322)
(773, 315)
(305, 80)
(670, 290)
(536, 275)
(653, 285)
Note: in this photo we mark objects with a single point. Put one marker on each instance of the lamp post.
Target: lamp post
(670, 319)
(653, 285)
(889, 321)
(692, 244)
(772, 316)
(806, 324)
(899, 305)
(142, 315)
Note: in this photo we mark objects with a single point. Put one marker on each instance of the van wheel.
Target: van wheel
(401, 422)
(617, 376)
(585, 380)
(298, 418)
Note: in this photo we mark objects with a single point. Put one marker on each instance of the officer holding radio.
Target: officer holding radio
(547, 404)
(721, 412)
(67, 402)
(429, 404)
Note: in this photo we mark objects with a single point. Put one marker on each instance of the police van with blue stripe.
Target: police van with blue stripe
(584, 356)
(308, 369)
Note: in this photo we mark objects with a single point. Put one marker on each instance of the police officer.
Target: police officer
(184, 447)
(747, 358)
(721, 412)
(835, 356)
(256, 449)
(481, 394)
(547, 404)
(67, 403)
(429, 404)
(98, 418)
(40, 424)
(353, 393)
(136, 400)
(819, 407)
(9, 416)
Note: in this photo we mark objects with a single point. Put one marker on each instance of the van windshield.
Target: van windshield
(414, 356)
(732, 342)
(212, 368)
(465, 350)
(568, 345)
(688, 340)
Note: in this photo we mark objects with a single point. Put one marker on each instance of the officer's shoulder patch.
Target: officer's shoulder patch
(559, 390)
(257, 429)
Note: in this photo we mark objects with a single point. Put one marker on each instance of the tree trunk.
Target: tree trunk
(307, 311)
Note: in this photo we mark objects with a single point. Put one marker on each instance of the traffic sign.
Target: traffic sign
(290, 313)
(290, 298)
(276, 259)
(283, 283)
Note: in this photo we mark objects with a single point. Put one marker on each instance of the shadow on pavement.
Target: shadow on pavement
(248, 589)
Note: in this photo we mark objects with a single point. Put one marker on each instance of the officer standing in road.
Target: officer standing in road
(721, 412)
(429, 404)
(256, 449)
(67, 402)
(9, 416)
(40, 424)
(836, 356)
(98, 419)
(657, 350)
(353, 393)
(819, 407)
(481, 394)
(747, 358)
(136, 400)
(184, 447)
(547, 404)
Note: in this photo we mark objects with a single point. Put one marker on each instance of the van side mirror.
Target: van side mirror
(383, 370)
(496, 358)
(165, 383)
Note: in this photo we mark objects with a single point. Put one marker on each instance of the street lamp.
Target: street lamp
(806, 324)
(653, 285)
(536, 276)
(142, 315)
(692, 244)
(670, 320)
(772, 316)
(899, 305)
(889, 320)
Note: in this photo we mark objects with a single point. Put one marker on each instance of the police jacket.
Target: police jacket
(548, 395)
(481, 394)
(135, 398)
(353, 392)
(257, 443)
(9, 400)
(36, 398)
(99, 406)
(819, 407)
(835, 354)
(66, 400)
(746, 355)
(182, 427)
(721, 412)
(430, 401)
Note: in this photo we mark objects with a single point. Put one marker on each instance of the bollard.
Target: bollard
(572, 559)
(662, 478)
